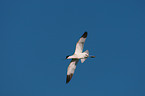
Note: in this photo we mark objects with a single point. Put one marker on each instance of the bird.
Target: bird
(78, 55)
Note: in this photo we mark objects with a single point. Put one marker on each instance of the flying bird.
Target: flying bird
(78, 54)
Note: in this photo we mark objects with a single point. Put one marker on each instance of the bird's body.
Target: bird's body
(78, 54)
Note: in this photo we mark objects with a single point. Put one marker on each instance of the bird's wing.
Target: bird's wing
(71, 68)
(80, 43)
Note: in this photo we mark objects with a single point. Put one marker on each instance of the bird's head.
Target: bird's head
(67, 57)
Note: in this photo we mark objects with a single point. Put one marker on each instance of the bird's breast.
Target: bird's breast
(81, 55)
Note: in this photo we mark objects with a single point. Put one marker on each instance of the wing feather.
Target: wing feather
(71, 69)
(80, 43)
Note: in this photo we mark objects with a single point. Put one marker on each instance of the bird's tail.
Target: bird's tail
(82, 60)
(87, 51)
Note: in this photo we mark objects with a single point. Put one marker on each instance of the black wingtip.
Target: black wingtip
(85, 35)
(68, 78)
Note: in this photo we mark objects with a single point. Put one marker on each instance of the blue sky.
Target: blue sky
(37, 35)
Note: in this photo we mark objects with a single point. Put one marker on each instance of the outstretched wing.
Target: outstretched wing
(80, 43)
(71, 69)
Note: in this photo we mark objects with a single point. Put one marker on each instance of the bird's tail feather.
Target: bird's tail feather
(82, 60)
(87, 51)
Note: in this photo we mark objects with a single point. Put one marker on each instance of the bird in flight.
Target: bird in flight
(78, 54)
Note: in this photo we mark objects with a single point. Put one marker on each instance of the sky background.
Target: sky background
(37, 35)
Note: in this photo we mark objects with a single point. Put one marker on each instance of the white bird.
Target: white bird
(78, 54)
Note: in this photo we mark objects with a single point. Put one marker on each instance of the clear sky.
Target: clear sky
(37, 35)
